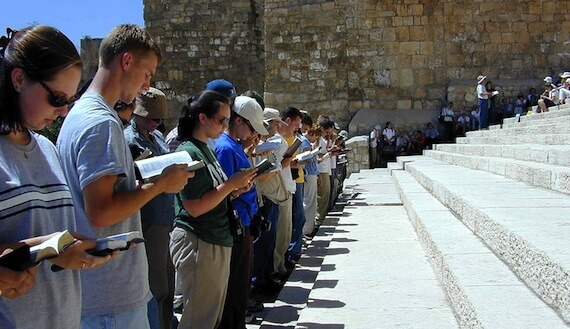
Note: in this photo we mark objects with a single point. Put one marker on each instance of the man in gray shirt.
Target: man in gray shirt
(99, 169)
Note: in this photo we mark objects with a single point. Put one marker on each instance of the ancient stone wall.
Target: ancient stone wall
(204, 40)
(342, 56)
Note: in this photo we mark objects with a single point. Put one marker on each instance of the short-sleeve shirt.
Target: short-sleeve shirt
(325, 165)
(480, 90)
(159, 210)
(285, 172)
(212, 226)
(290, 141)
(311, 167)
(91, 145)
(35, 200)
(232, 159)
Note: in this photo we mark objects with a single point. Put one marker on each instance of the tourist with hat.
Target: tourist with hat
(564, 90)
(483, 102)
(157, 216)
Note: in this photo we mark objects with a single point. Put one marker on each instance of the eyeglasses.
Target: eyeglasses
(58, 101)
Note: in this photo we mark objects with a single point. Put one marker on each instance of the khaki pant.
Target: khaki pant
(324, 193)
(202, 273)
(284, 231)
(310, 202)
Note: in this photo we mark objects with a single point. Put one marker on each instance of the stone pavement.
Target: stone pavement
(364, 269)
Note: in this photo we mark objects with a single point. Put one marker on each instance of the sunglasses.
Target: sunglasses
(58, 101)
(224, 121)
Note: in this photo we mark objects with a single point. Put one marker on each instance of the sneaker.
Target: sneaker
(254, 306)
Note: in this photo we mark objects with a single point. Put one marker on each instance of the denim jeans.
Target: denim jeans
(298, 223)
(484, 114)
(136, 319)
(264, 245)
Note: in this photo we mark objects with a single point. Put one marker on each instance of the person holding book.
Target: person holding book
(41, 70)
(311, 142)
(202, 225)
(246, 121)
(157, 216)
(100, 172)
(292, 117)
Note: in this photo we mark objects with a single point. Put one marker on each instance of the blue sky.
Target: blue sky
(75, 18)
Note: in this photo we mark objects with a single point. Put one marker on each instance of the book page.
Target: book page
(154, 166)
(52, 246)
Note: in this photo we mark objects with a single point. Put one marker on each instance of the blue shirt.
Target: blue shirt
(232, 158)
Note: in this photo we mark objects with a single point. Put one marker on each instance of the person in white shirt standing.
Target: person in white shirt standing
(374, 136)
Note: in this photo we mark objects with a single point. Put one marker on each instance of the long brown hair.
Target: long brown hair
(41, 52)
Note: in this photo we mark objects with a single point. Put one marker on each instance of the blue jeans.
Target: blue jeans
(484, 114)
(264, 245)
(136, 319)
(298, 223)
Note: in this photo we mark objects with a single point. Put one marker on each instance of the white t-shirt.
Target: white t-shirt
(475, 114)
(325, 165)
(373, 139)
(389, 133)
(480, 90)
(285, 172)
(463, 119)
(448, 114)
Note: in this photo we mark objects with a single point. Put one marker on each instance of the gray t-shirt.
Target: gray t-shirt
(34, 201)
(91, 145)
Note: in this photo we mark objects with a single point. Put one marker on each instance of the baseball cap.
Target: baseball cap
(270, 114)
(255, 95)
(481, 78)
(152, 104)
(249, 109)
(222, 86)
(343, 133)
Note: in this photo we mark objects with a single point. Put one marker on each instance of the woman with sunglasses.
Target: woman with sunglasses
(40, 73)
(201, 241)
(246, 122)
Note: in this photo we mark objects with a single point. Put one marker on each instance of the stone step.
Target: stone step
(483, 291)
(563, 119)
(556, 178)
(555, 112)
(540, 139)
(528, 228)
(546, 128)
(550, 154)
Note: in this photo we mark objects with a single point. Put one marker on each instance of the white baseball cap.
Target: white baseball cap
(249, 109)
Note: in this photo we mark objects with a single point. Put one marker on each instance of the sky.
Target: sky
(75, 18)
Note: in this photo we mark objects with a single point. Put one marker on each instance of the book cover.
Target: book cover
(292, 148)
(107, 245)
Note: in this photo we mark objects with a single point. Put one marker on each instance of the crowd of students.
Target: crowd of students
(217, 239)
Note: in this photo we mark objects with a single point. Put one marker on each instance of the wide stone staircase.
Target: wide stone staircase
(469, 235)
(501, 248)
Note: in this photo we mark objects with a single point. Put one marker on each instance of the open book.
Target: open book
(25, 256)
(150, 168)
(105, 246)
(266, 166)
(292, 148)
(495, 93)
(267, 146)
(307, 156)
